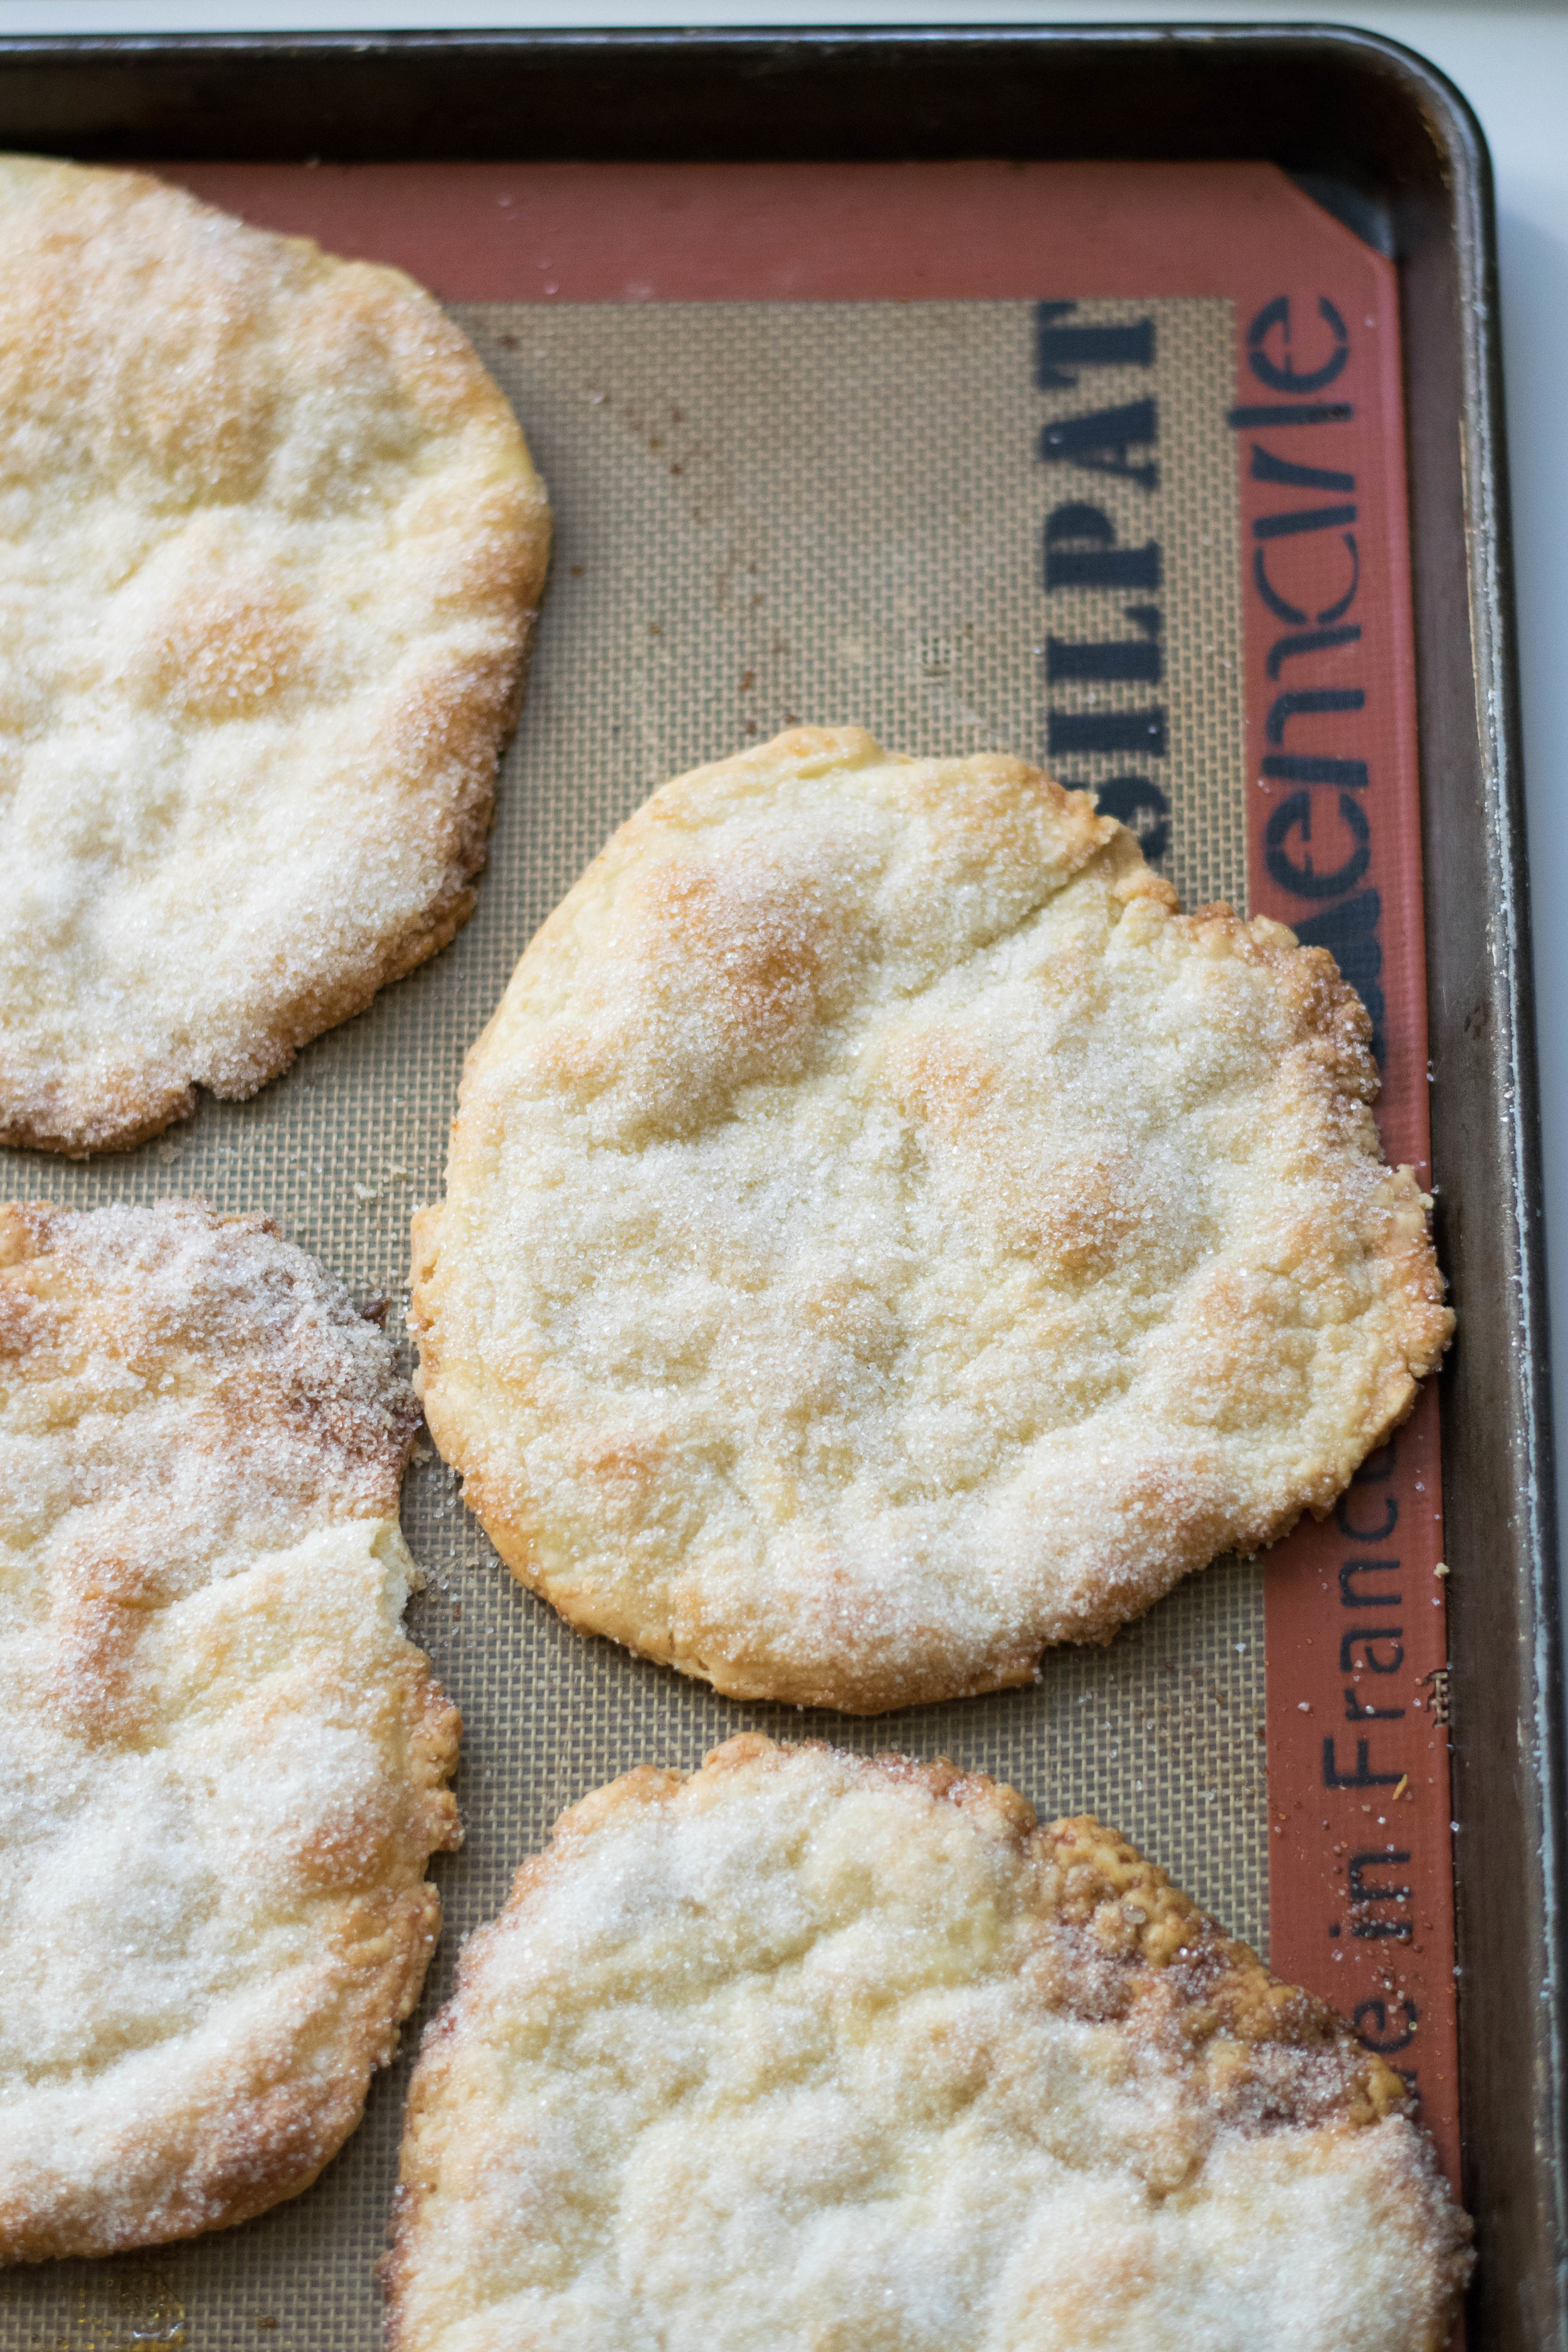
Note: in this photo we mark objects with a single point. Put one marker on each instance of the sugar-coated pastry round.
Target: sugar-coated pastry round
(882, 1236)
(808, 2052)
(269, 543)
(222, 1763)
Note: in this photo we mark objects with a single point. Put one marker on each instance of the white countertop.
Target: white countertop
(1511, 62)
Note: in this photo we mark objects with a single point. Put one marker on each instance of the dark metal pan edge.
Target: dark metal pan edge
(1498, 1478)
(1378, 116)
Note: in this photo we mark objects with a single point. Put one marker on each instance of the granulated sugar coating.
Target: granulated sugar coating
(882, 1236)
(808, 2052)
(222, 1764)
(271, 541)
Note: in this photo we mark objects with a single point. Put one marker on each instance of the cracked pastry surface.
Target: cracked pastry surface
(812, 2052)
(222, 1762)
(272, 542)
(882, 1236)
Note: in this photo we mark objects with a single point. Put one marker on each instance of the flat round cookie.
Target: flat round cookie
(808, 2052)
(272, 542)
(883, 1236)
(222, 1763)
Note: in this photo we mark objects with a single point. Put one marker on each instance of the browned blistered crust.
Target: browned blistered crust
(1105, 1940)
(1150, 1958)
(1127, 1288)
(219, 1437)
(311, 545)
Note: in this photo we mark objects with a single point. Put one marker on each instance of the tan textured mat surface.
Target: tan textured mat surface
(764, 512)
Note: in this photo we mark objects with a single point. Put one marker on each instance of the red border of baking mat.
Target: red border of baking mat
(1360, 1882)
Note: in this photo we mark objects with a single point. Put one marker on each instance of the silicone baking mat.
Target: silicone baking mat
(1100, 463)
